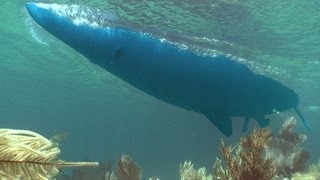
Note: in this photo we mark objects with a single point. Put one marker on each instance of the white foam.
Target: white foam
(34, 30)
(79, 15)
(35, 35)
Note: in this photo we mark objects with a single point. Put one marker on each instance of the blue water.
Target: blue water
(49, 88)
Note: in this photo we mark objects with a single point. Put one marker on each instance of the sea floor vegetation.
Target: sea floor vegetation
(262, 155)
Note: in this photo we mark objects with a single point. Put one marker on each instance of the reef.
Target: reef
(188, 172)
(286, 151)
(261, 155)
(312, 172)
(246, 160)
(243, 161)
(126, 169)
(28, 155)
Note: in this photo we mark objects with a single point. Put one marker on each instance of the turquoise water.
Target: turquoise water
(49, 88)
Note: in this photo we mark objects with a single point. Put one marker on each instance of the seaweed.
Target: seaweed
(188, 172)
(306, 176)
(264, 155)
(28, 155)
(246, 160)
(314, 167)
(102, 172)
(312, 172)
(261, 155)
(289, 157)
(127, 169)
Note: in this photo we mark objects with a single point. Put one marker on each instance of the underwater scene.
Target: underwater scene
(150, 90)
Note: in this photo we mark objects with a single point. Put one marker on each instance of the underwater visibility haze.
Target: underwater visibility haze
(222, 59)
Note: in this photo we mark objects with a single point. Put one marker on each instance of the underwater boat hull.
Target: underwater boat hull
(217, 87)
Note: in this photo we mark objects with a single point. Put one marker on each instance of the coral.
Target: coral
(110, 175)
(92, 173)
(220, 173)
(312, 172)
(247, 160)
(108, 172)
(306, 176)
(314, 167)
(187, 172)
(28, 155)
(264, 155)
(103, 172)
(127, 169)
(285, 149)
(287, 133)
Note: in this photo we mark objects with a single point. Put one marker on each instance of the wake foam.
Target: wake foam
(37, 33)
(81, 15)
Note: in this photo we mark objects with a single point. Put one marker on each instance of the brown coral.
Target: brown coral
(127, 169)
(286, 132)
(285, 149)
(262, 155)
(246, 160)
(28, 155)
(188, 172)
(102, 172)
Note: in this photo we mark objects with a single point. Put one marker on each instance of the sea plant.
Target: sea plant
(127, 169)
(264, 155)
(246, 160)
(286, 151)
(28, 155)
(188, 172)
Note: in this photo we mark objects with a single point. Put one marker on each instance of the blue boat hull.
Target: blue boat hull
(217, 87)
